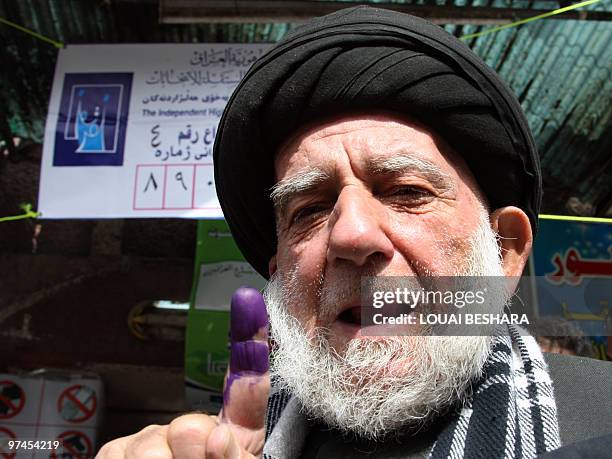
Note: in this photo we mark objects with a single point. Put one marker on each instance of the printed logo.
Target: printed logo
(92, 120)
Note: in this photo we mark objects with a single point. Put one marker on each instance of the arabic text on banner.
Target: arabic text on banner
(130, 129)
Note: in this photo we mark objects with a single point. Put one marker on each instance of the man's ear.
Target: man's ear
(272, 265)
(515, 237)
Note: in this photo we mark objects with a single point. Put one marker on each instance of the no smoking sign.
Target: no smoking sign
(12, 399)
(77, 403)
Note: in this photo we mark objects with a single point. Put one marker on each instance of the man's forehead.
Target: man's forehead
(375, 137)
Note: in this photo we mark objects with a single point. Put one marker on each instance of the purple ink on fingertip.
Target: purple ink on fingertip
(248, 314)
(248, 357)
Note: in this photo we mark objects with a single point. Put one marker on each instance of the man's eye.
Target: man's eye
(411, 192)
(306, 212)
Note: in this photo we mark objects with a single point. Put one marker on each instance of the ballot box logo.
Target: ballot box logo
(92, 119)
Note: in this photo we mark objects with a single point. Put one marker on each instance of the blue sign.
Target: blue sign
(572, 263)
(92, 121)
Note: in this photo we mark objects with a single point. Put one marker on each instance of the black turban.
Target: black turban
(358, 60)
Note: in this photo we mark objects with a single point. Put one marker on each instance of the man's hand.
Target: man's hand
(238, 431)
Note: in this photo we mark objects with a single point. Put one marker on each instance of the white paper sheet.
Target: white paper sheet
(130, 129)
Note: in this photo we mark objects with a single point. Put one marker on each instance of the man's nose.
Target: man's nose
(357, 230)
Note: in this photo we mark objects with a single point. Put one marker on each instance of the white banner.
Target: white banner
(130, 129)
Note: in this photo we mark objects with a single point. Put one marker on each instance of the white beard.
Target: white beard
(362, 391)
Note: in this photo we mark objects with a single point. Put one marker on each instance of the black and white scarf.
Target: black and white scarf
(510, 414)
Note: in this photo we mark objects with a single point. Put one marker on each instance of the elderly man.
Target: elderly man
(368, 143)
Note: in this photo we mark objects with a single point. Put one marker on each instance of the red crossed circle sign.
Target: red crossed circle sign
(12, 399)
(77, 403)
(74, 444)
(6, 433)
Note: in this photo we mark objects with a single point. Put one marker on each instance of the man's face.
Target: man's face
(368, 196)
(372, 196)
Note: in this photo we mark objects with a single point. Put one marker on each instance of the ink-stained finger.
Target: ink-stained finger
(247, 382)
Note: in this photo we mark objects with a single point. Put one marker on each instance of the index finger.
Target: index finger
(247, 383)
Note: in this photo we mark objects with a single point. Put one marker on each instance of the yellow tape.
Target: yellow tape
(525, 21)
(28, 213)
(57, 44)
(576, 219)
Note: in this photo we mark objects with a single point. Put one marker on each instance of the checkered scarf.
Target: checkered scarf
(510, 414)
